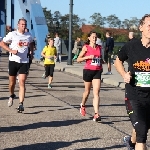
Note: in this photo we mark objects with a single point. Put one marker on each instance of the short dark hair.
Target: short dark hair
(98, 35)
(50, 38)
(109, 33)
(22, 19)
(88, 41)
(143, 18)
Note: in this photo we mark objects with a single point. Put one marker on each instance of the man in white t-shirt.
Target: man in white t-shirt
(18, 59)
(57, 44)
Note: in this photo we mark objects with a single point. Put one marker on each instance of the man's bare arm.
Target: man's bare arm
(120, 68)
(5, 47)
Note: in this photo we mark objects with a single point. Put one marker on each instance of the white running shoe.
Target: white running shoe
(10, 101)
(126, 140)
(108, 73)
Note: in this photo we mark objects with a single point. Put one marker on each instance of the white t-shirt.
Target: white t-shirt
(21, 43)
(99, 42)
(57, 43)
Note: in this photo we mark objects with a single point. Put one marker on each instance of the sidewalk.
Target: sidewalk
(115, 79)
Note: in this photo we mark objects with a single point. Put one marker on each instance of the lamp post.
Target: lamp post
(70, 34)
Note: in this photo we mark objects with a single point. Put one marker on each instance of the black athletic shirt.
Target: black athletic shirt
(137, 56)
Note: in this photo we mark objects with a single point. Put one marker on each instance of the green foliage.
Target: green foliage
(96, 19)
(121, 38)
(113, 21)
(63, 27)
(116, 49)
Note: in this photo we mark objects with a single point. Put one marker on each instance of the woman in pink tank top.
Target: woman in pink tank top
(91, 53)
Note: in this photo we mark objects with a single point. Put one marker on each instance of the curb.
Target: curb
(68, 70)
(114, 83)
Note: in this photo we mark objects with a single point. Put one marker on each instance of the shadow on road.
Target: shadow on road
(3, 98)
(61, 144)
(105, 148)
(41, 125)
(50, 145)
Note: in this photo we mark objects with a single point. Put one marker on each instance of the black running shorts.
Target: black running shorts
(139, 113)
(21, 68)
(89, 75)
(49, 70)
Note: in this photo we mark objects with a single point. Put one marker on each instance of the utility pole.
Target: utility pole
(70, 34)
(12, 14)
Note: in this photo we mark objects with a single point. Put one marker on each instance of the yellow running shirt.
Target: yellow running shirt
(49, 51)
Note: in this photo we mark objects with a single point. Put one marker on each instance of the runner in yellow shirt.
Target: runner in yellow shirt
(49, 53)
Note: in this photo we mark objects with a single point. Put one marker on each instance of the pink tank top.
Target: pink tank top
(95, 63)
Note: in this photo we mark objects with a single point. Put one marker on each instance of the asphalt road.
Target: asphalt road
(51, 120)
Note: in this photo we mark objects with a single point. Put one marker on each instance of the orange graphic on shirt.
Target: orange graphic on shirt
(142, 65)
(22, 43)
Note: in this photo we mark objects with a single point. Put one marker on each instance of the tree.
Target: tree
(131, 24)
(113, 21)
(104, 19)
(126, 23)
(134, 22)
(76, 25)
(57, 15)
(82, 22)
(97, 19)
(121, 38)
(119, 24)
(48, 15)
(49, 18)
(84, 37)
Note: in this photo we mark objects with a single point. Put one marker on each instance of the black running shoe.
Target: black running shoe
(20, 108)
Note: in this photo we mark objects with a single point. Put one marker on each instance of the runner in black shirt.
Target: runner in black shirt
(137, 88)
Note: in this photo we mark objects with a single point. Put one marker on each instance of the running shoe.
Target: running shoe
(44, 76)
(49, 86)
(20, 108)
(108, 73)
(82, 110)
(97, 118)
(126, 140)
(10, 101)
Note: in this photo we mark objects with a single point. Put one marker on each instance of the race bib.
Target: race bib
(142, 79)
(51, 58)
(95, 62)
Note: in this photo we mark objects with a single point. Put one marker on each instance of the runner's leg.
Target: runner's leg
(12, 82)
(96, 89)
(86, 92)
(22, 79)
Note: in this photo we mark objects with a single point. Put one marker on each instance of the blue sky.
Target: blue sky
(123, 9)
